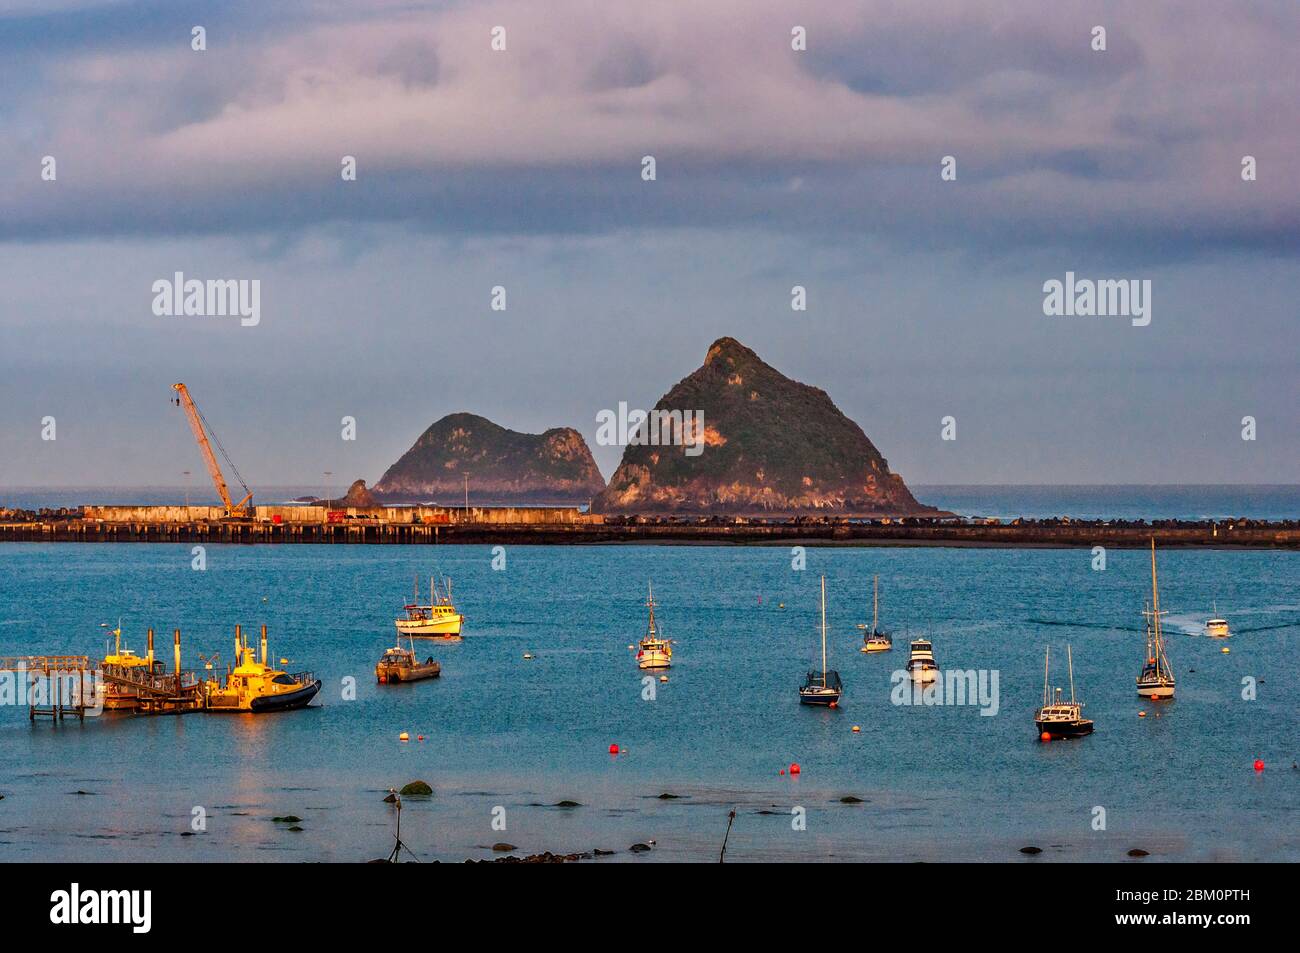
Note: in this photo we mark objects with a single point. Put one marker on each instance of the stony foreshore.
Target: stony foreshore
(571, 527)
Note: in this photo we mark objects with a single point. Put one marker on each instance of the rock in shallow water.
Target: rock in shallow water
(1031, 850)
(417, 789)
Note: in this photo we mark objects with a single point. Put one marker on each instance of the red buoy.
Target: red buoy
(1259, 765)
(1045, 736)
(613, 749)
(781, 772)
(794, 767)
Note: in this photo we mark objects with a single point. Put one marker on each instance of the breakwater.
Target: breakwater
(560, 526)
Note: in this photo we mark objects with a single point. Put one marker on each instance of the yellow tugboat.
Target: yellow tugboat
(255, 686)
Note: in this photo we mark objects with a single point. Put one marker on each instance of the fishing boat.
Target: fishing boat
(254, 686)
(822, 687)
(399, 664)
(1217, 627)
(1058, 718)
(436, 620)
(1157, 678)
(873, 639)
(653, 651)
(921, 662)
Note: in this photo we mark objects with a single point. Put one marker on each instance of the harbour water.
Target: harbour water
(510, 737)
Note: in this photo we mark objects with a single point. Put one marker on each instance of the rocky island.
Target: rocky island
(772, 446)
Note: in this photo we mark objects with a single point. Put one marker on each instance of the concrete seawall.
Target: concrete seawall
(523, 526)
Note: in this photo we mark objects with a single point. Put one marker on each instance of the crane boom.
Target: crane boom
(196, 420)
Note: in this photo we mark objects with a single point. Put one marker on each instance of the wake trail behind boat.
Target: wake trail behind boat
(1079, 625)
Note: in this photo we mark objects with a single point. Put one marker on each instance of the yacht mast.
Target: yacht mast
(1155, 605)
(1070, 658)
(875, 603)
(1047, 663)
(823, 631)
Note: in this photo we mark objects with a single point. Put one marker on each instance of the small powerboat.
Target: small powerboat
(399, 664)
(1058, 718)
(921, 663)
(1217, 628)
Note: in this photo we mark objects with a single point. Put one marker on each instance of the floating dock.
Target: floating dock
(59, 686)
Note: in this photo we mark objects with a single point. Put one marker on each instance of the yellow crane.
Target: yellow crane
(201, 428)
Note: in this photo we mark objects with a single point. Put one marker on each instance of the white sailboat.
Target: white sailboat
(1157, 678)
(874, 640)
(822, 687)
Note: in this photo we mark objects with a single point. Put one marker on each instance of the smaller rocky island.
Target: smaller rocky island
(501, 466)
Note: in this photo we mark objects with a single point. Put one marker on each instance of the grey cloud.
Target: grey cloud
(1054, 142)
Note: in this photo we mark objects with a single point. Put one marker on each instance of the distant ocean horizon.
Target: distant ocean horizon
(1001, 501)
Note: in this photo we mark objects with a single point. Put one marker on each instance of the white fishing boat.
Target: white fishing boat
(653, 651)
(921, 663)
(438, 619)
(1157, 678)
(873, 639)
(822, 687)
(1217, 627)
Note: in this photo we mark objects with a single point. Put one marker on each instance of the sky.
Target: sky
(774, 167)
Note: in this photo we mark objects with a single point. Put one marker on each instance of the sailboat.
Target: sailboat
(437, 620)
(1157, 678)
(822, 687)
(653, 651)
(1058, 718)
(874, 640)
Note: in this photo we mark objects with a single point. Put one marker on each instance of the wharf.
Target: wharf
(640, 530)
